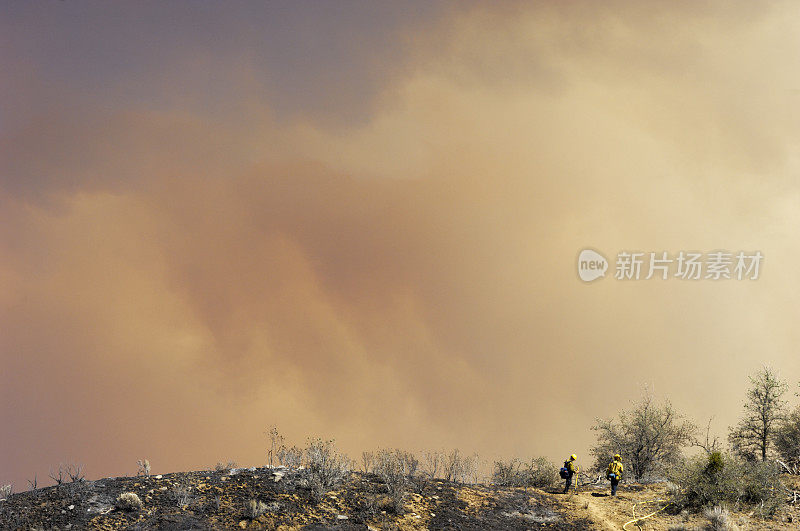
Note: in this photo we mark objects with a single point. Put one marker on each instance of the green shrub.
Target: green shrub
(718, 480)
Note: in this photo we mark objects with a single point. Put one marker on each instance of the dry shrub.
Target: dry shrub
(128, 501)
(538, 472)
(256, 508)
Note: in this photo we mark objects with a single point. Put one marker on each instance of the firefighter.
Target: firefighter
(614, 473)
(569, 470)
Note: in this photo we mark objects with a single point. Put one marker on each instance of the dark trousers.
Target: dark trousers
(614, 483)
(567, 484)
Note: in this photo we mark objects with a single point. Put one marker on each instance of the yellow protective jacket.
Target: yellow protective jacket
(571, 466)
(615, 467)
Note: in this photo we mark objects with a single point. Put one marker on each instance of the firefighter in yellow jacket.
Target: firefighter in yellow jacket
(569, 470)
(614, 473)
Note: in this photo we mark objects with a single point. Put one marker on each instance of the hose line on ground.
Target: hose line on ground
(626, 524)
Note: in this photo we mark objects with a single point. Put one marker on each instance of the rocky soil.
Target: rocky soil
(220, 500)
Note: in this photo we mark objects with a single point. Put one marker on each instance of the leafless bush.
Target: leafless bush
(33, 483)
(128, 501)
(367, 462)
(291, 457)
(327, 467)
(433, 463)
(6, 491)
(538, 472)
(143, 466)
(275, 445)
(541, 473)
(75, 472)
(181, 496)
(710, 443)
(256, 508)
(395, 468)
(59, 474)
(458, 468)
(507, 473)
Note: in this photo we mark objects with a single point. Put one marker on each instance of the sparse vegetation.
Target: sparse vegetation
(709, 491)
(6, 491)
(128, 501)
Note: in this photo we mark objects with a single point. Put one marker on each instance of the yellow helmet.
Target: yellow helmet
(573, 457)
(617, 456)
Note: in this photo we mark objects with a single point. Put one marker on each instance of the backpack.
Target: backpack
(565, 470)
(611, 472)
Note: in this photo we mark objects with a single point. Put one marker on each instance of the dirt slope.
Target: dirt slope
(218, 500)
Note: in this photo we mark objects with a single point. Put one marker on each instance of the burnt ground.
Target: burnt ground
(218, 500)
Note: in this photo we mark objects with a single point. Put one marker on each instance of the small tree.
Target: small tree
(763, 411)
(787, 440)
(649, 437)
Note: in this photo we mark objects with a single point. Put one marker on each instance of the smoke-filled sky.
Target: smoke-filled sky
(360, 220)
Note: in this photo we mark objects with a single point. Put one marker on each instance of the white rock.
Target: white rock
(159, 476)
(71, 507)
(342, 517)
